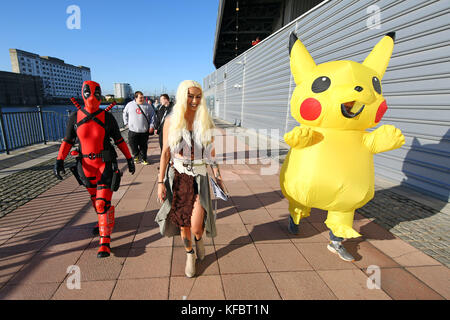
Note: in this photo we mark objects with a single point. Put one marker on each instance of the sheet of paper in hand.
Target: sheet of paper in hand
(218, 192)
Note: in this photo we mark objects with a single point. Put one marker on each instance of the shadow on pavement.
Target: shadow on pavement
(24, 157)
(389, 207)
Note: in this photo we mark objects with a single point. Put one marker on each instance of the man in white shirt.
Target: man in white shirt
(139, 116)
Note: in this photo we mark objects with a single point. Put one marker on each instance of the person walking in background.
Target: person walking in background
(255, 42)
(163, 111)
(151, 131)
(140, 119)
(156, 104)
(155, 109)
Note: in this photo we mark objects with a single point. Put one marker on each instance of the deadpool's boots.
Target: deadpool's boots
(105, 248)
(106, 224)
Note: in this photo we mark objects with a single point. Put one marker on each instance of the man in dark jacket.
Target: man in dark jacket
(163, 111)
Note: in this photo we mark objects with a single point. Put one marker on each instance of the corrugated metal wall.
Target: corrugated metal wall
(267, 84)
(233, 86)
(416, 84)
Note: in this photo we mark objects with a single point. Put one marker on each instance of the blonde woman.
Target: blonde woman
(183, 182)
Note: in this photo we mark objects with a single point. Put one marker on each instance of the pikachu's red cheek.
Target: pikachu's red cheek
(381, 111)
(310, 109)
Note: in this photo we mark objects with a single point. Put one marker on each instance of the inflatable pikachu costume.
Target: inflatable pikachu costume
(330, 163)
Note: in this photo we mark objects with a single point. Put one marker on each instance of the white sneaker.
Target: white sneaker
(337, 247)
(200, 248)
(190, 264)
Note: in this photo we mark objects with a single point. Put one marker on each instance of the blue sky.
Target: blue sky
(147, 43)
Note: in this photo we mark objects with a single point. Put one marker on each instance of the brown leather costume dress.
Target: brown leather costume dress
(184, 190)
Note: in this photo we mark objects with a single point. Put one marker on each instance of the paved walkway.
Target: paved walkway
(24, 158)
(253, 256)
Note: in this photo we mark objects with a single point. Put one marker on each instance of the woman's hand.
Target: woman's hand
(221, 184)
(161, 192)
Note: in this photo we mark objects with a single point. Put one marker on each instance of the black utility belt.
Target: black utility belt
(105, 155)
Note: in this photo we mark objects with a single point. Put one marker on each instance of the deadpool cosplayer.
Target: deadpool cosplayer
(96, 166)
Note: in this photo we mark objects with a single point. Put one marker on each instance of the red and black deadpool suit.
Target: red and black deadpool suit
(97, 159)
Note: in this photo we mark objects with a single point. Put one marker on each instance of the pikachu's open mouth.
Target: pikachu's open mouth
(348, 109)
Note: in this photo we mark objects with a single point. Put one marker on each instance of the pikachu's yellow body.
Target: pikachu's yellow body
(330, 163)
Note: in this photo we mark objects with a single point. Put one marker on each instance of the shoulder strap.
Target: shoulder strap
(91, 116)
(143, 112)
(161, 123)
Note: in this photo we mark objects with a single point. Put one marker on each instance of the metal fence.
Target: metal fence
(21, 129)
(117, 113)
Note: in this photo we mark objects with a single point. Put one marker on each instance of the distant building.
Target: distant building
(123, 90)
(109, 96)
(20, 89)
(60, 80)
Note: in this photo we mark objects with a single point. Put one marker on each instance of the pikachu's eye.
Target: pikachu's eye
(321, 84)
(376, 84)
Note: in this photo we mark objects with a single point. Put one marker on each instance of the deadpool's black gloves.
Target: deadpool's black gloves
(58, 169)
(131, 166)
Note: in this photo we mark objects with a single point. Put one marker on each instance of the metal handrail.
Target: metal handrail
(25, 128)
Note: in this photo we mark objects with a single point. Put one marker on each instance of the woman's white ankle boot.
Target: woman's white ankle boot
(200, 248)
(190, 264)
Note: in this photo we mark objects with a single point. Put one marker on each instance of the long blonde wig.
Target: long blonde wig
(202, 126)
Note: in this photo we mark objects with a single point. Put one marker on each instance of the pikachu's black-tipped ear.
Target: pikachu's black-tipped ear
(292, 39)
(392, 35)
(378, 58)
(301, 61)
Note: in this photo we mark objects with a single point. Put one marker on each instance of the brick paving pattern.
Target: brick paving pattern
(421, 226)
(23, 186)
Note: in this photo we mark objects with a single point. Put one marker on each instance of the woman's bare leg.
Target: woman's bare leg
(196, 225)
(198, 214)
(186, 237)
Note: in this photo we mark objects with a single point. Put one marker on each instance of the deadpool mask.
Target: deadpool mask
(92, 95)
